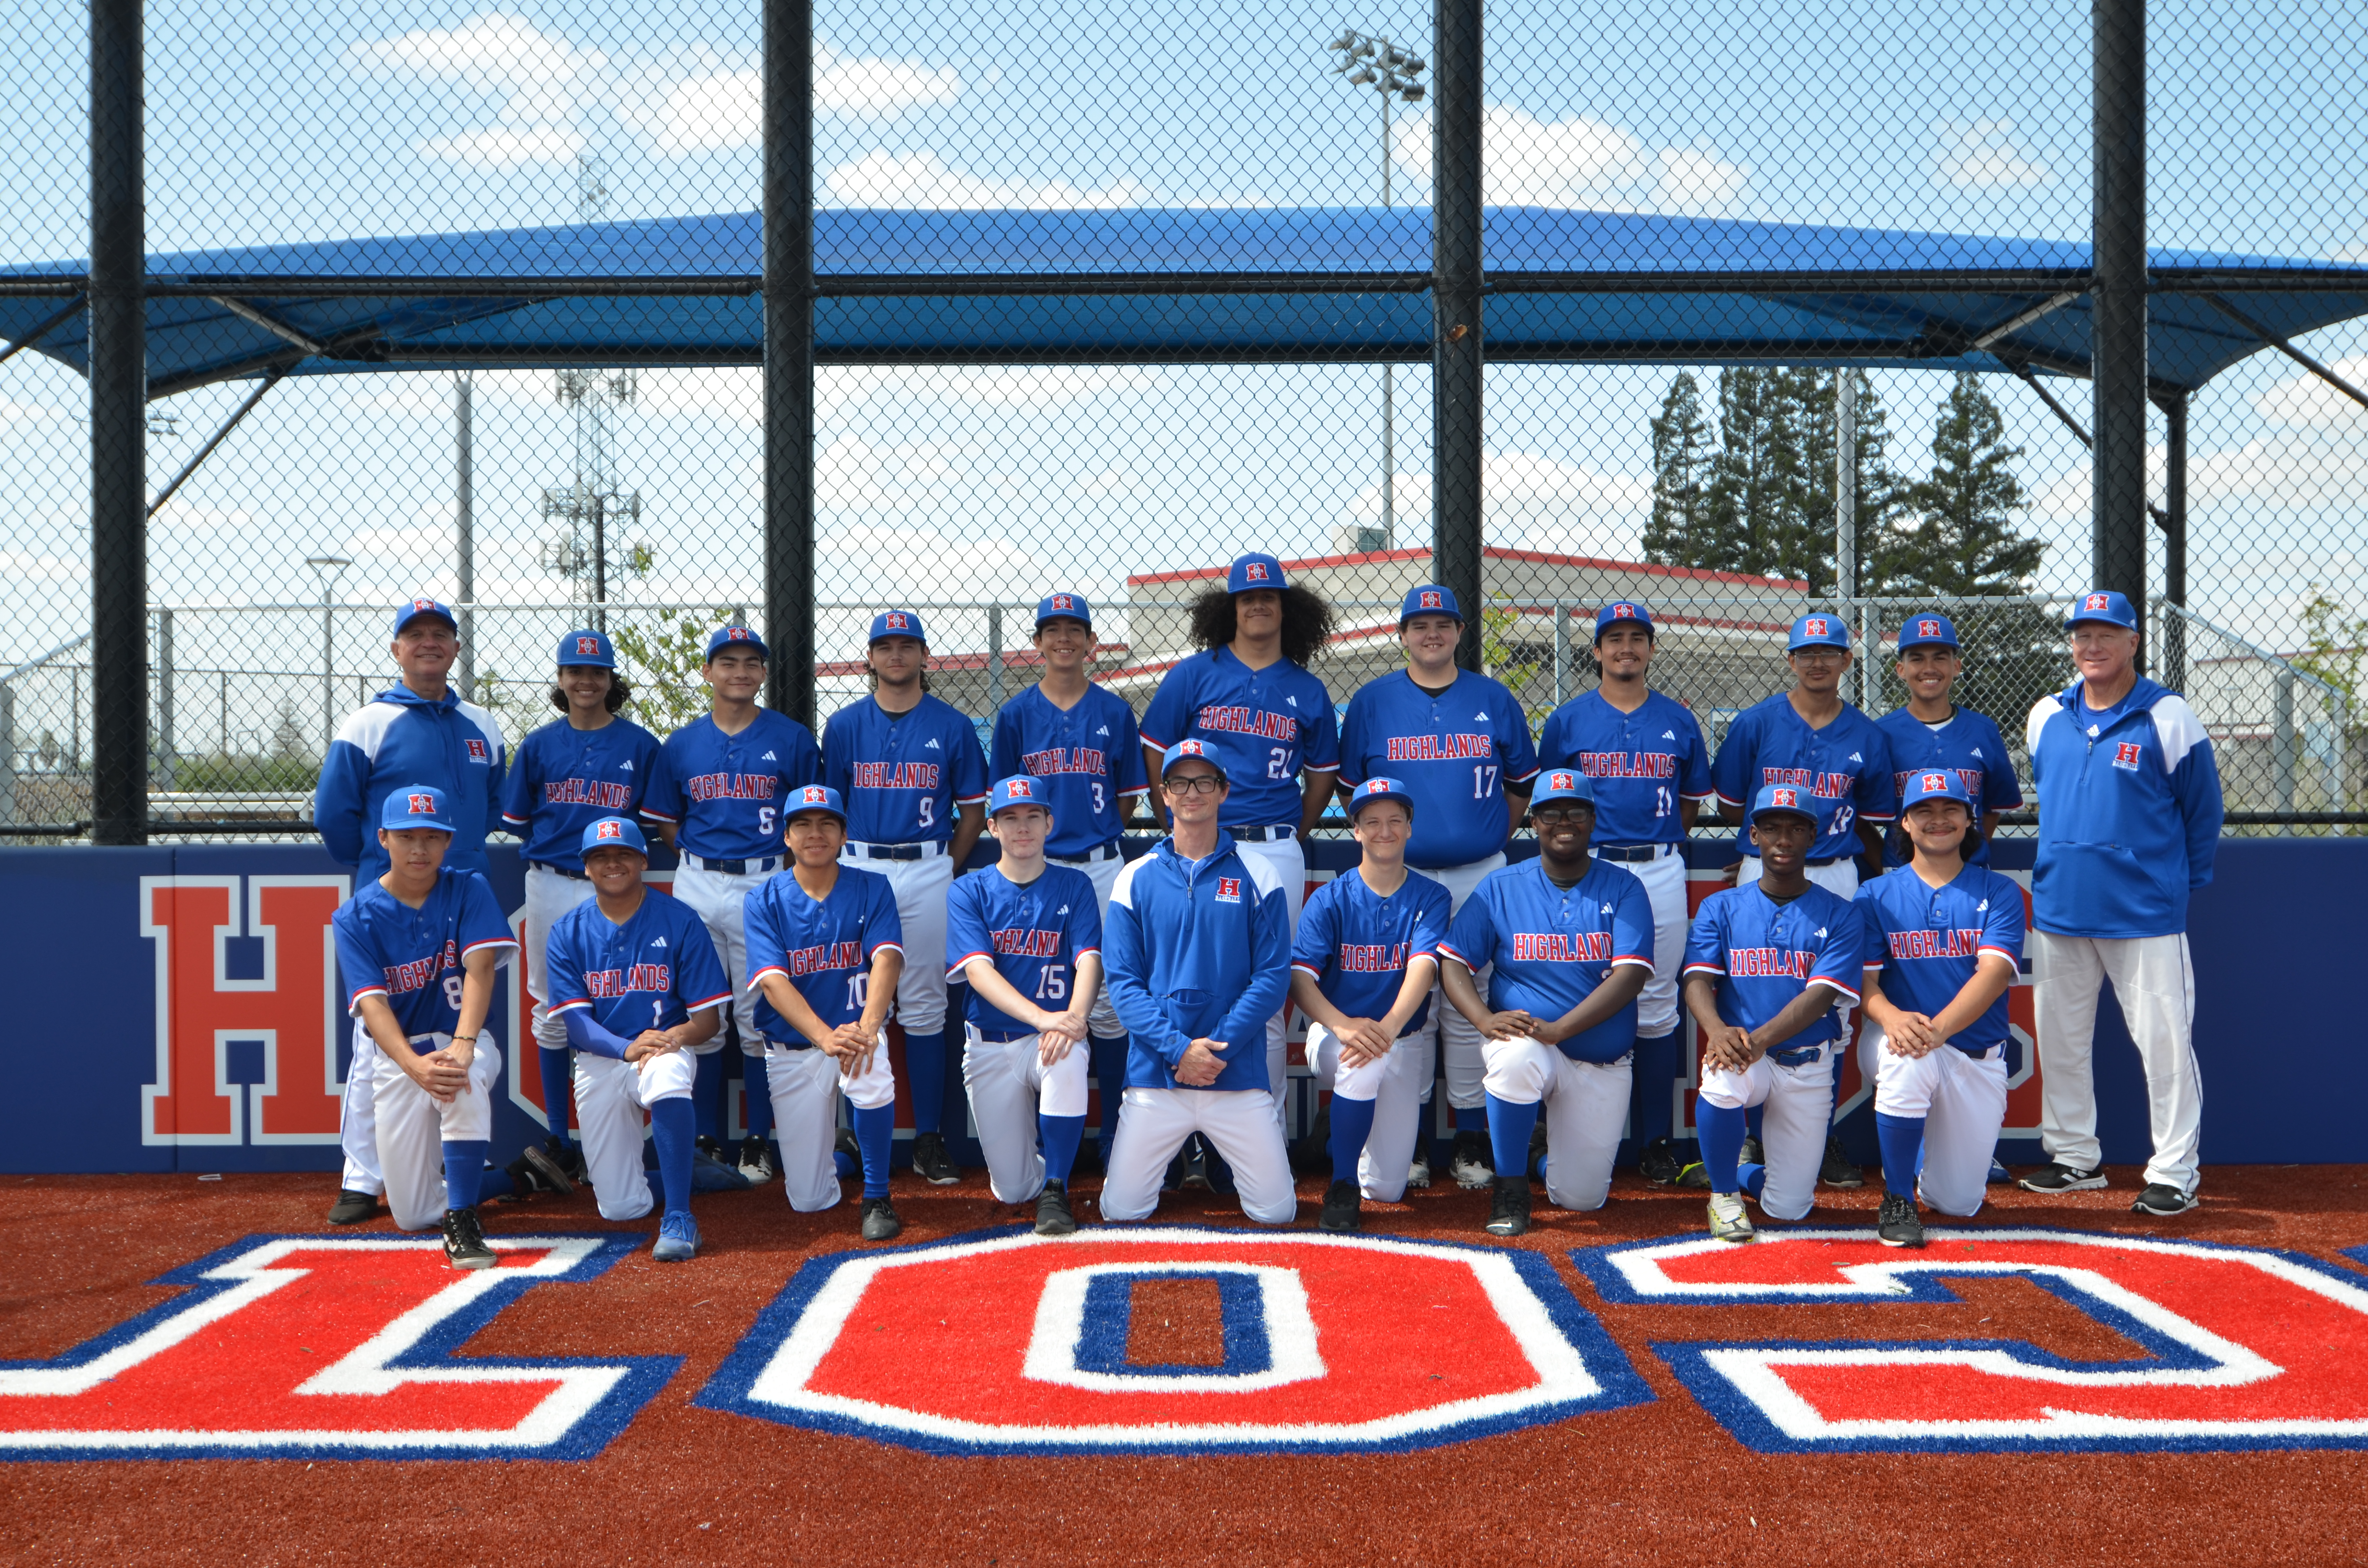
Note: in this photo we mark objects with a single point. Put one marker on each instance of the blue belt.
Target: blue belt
(791, 1044)
(738, 868)
(893, 851)
(1631, 852)
(1800, 1058)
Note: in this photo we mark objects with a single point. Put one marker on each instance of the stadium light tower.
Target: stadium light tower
(593, 500)
(1369, 61)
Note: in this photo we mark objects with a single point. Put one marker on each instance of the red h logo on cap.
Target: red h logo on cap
(1430, 599)
(1785, 797)
(1817, 626)
(816, 796)
(1928, 628)
(1934, 781)
(1020, 786)
(735, 634)
(1563, 781)
(610, 830)
(1189, 748)
(423, 604)
(2095, 601)
(422, 805)
(1624, 612)
(895, 621)
(587, 644)
(1062, 601)
(1256, 572)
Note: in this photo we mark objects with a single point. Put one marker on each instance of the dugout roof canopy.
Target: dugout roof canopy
(1180, 286)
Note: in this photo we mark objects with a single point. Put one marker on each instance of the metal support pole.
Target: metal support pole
(8, 751)
(2281, 739)
(165, 716)
(1456, 284)
(600, 562)
(1845, 508)
(2172, 655)
(465, 514)
(119, 429)
(994, 658)
(789, 354)
(328, 669)
(2118, 299)
(1561, 650)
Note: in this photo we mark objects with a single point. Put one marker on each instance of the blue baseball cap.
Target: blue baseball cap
(1561, 784)
(896, 623)
(1429, 598)
(1619, 611)
(419, 608)
(735, 637)
(1782, 799)
(1253, 572)
(2111, 608)
(1017, 791)
(615, 833)
(1819, 631)
(1186, 751)
(590, 648)
(1932, 630)
(1378, 789)
(812, 798)
(415, 805)
(1064, 606)
(1935, 784)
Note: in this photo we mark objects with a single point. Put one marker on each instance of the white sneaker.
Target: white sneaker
(1473, 1168)
(756, 1161)
(1728, 1223)
(1418, 1173)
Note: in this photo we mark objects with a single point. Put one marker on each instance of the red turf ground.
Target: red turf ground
(1662, 1482)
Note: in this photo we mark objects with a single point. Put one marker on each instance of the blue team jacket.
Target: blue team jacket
(397, 738)
(2129, 817)
(1193, 951)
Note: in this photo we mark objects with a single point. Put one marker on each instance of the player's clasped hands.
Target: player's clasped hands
(1729, 1046)
(1362, 1041)
(1201, 1063)
(1057, 1034)
(1516, 1025)
(851, 1045)
(1911, 1035)
(649, 1045)
(444, 1074)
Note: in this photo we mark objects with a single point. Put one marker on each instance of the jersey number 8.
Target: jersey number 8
(452, 992)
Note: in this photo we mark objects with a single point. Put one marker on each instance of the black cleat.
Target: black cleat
(352, 1207)
(1472, 1165)
(548, 1172)
(2057, 1176)
(1196, 1165)
(880, 1221)
(1508, 1215)
(1342, 1205)
(1053, 1215)
(2162, 1200)
(844, 1147)
(1313, 1152)
(709, 1147)
(756, 1161)
(1179, 1169)
(1837, 1171)
(930, 1161)
(464, 1243)
(570, 1157)
(1536, 1163)
(1751, 1153)
(1899, 1225)
(1659, 1163)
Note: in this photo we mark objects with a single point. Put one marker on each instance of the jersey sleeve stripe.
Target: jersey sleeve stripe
(514, 822)
(1447, 949)
(2012, 958)
(969, 800)
(1644, 959)
(658, 816)
(1523, 778)
(704, 1003)
(356, 999)
(1704, 968)
(954, 969)
(1320, 767)
(1153, 742)
(1309, 969)
(768, 968)
(896, 948)
(1138, 790)
(1081, 952)
(568, 1006)
(1849, 993)
(1706, 795)
(489, 942)
(1725, 799)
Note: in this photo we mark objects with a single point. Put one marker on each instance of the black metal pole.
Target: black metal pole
(2172, 655)
(789, 354)
(1455, 431)
(119, 431)
(2118, 299)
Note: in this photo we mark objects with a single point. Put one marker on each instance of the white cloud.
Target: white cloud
(15, 413)
(924, 564)
(211, 519)
(1982, 154)
(926, 180)
(2285, 473)
(543, 78)
(505, 147)
(720, 110)
(1582, 162)
(25, 566)
(1536, 503)
(1697, 180)
(423, 543)
(2307, 400)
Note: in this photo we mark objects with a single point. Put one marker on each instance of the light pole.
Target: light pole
(328, 566)
(1389, 70)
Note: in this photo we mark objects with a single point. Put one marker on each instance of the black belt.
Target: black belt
(1631, 852)
(893, 851)
(1005, 1038)
(1800, 1058)
(1260, 834)
(573, 875)
(1104, 852)
(737, 867)
(1829, 859)
(791, 1044)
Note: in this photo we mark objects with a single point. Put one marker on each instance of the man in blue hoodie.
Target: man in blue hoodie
(417, 732)
(2129, 817)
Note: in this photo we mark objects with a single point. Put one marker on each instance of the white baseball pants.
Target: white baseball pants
(2154, 980)
(1458, 1042)
(358, 1119)
(1963, 1101)
(720, 899)
(611, 1097)
(1840, 878)
(413, 1125)
(1800, 1102)
(1586, 1112)
(1395, 1083)
(1008, 1085)
(1240, 1122)
(549, 895)
(805, 1087)
(1665, 885)
(1289, 863)
(921, 887)
(1102, 1022)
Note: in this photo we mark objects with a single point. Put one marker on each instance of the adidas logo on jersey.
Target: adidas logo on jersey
(1105, 730)
(931, 746)
(657, 941)
(1821, 930)
(627, 766)
(1482, 717)
(1669, 735)
(1855, 757)
(1292, 700)
(1978, 751)
(768, 757)
(1064, 908)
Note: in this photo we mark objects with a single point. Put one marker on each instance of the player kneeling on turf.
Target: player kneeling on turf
(636, 983)
(824, 949)
(418, 949)
(1571, 940)
(1944, 941)
(1361, 969)
(1027, 937)
(1765, 964)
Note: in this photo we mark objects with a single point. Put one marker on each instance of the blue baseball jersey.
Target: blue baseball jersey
(1765, 954)
(1641, 765)
(564, 780)
(903, 775)
(1035, 932)
(1356, 944)
(725, 792)
(1968, 745)
(1927, 942)
(652, 973)
(1197, 950)
(413, 957)
(1086, 760)
(821, 946)
(1267, 726)
(1456, 752)
(1844, 769)
(1553, 945)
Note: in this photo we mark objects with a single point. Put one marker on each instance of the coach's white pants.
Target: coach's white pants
(1799, 1103)
(1664, 877)
(1586, 1112)
(1395, 1083)
(611, 1097)
(1963, 1101)
(413, 1125)
(1008, 1085)
(1290, 862)
(1240, 1122)
(720, 899)
(921, 887)
(805, 1087)
(1840, 878)
(549, 895)
(2154, 980)
(358, 1119)
(1458, 1042)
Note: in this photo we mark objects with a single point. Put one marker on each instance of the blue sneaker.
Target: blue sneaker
(677, 1240)
(1998, 1172)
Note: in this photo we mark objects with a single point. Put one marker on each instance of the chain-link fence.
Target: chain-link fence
(1767, 308)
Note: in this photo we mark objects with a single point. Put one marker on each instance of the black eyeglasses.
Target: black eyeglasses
(1560, 818)
(1196, 784)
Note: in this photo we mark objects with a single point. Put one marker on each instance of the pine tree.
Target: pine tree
(1750, 495)
(1963, 541)
(1876, 493)
(1677, 532)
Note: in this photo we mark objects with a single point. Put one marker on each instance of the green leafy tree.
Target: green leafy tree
(2335, 646)
(662, 660)
(1677, 532)
(1876, 493)
(1751, 476)
(1962, 538)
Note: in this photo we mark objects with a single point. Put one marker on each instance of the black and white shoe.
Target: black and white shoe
(352, 1207)
(756, 1161)
(2162, 1200)
(1418, 1173)
(548, 1170)
(1836, 1170)
(1750, 1154)
(2057, 1176)
(846, 1154)
(464, 1242)
(1472, 1167)
(709, 1147)
(570, 1157)
(1196, 1165)
(1313, 1152)
(880, 1221)
(930, 1161)
(1342, 1205)
(1659, 1163)
(1899, 1225)
(1053, 1217)
(1508, 1214)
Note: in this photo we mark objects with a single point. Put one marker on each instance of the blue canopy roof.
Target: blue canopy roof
(1179, 285)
